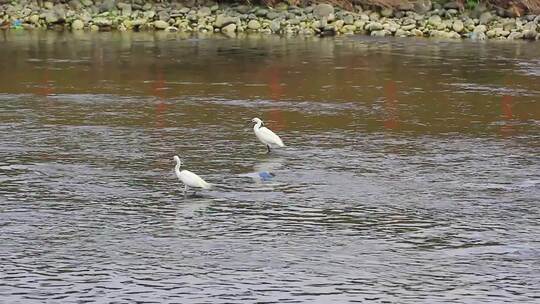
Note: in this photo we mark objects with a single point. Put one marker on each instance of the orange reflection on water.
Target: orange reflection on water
(507, 114)
(391, 105)
(158, 90)
(273, 75)
(45, 88)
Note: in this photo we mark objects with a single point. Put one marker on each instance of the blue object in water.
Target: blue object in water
(16, 24)
(266, 176)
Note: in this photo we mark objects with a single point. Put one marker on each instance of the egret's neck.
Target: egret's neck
(257, 125)
(177, 168)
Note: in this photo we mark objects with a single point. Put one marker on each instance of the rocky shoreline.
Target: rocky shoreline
(421, 19)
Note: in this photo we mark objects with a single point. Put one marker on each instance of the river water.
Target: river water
(411, 172)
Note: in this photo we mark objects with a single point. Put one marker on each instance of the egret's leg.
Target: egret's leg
(267, 148)
(185, 190)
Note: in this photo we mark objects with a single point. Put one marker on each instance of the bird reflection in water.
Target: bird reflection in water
(264, 171)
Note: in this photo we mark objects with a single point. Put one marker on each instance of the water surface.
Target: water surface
(411, 173)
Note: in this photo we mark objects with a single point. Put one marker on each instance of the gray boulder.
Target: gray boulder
(323, 10)
(107, 5)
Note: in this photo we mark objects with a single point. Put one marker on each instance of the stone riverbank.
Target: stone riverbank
(421, 19)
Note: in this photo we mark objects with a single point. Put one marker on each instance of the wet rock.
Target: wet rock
(77, 25)
(87, 3)
(323, 10)
(171, 29)
(515, 36)
(454, 35)
(229, 29)
(438, 34)
(102, 22)
(374, 26)
(458, 26)
(530, 26)
(381, 33)
(401, 33)
(478, 36)
(417, 32)
(161, 25)
(254, 25)
(224, 20)
(529, 34)
(408, 27)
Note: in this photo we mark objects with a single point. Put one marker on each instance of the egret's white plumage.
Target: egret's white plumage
(188, 178)
(265, 135)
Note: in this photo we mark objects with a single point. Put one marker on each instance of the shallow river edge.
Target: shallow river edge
(421, 19)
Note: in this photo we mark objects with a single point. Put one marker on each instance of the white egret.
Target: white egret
(265, 135)
(188, 178)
